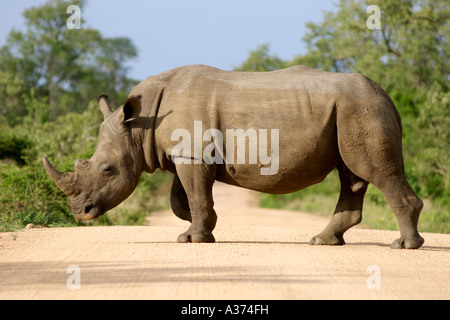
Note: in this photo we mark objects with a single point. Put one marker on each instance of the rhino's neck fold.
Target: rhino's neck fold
(151, 162)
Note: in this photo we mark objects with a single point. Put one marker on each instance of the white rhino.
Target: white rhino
(323, 121)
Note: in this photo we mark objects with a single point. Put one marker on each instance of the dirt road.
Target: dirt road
(259, 254)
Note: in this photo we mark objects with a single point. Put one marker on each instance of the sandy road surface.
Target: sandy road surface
(259, 254)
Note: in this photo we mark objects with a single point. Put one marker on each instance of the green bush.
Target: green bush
(12, 146)
(28, 195)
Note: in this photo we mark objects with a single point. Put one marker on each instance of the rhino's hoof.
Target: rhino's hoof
(327, 240)
(200, 237)
(408, 244)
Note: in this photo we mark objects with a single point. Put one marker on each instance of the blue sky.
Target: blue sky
(172, 33)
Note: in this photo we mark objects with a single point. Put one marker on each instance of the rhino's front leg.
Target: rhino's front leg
(197, 181)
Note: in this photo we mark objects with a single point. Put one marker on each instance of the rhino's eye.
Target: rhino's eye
(106, 169)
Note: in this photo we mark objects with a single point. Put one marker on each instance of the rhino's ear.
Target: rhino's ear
(131, 108)
(104, 106)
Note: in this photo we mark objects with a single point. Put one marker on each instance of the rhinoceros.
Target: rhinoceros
(318, 121)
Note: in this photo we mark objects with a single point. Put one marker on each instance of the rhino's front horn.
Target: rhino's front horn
(65, 181)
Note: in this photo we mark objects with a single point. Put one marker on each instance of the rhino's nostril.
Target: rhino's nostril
(88, 208)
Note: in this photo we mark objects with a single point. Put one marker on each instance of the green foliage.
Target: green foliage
(28, 195)
(13, 147)
(11, 100)
(260, 60)
(49, 76)
(428, 164)
(409, 58)
(409, 52)
(65, 68)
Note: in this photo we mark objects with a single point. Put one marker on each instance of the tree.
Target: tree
(112, 58)
(11, 104)
(65, 67)
(261, 60)
(409, 53)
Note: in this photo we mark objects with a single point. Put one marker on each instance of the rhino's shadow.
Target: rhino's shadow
(147, 123)
(269, 242)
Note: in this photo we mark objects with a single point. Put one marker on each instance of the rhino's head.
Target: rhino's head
(112, 173)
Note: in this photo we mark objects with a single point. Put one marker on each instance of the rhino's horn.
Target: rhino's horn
(65, 181)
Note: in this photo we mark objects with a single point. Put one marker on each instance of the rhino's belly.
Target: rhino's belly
(295, 170)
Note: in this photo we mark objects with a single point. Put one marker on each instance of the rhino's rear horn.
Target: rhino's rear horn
(104, 106)
(65, 181)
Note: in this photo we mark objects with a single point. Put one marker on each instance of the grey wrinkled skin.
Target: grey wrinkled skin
(325, 121)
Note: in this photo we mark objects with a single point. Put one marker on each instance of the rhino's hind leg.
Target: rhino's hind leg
(179, 201)
(407, 207)
(197, 182)
(370, 144)
(348, 210)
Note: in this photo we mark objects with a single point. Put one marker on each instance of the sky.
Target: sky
(173, 33)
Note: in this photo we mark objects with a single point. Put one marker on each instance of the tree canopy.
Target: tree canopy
(64, 68)
(50, 78)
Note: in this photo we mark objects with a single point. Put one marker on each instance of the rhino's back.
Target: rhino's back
(296, 77)
(254, 98)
